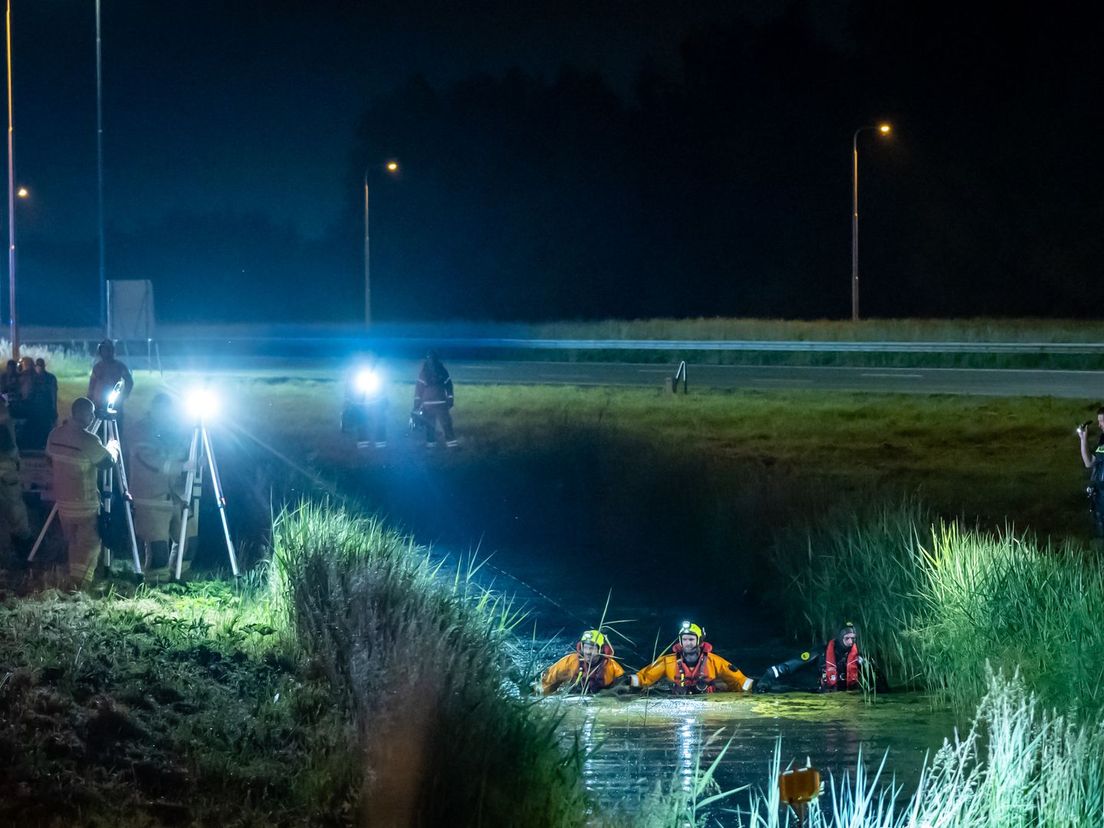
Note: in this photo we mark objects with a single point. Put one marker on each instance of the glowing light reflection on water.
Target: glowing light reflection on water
(632, 745)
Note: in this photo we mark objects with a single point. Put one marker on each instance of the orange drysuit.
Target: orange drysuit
(574, 672)
(709, 674)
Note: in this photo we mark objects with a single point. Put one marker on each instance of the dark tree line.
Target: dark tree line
(722, 189)
(727, 191)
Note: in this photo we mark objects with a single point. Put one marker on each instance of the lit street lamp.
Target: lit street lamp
(881, 129)
(13, 320)
(391, 168)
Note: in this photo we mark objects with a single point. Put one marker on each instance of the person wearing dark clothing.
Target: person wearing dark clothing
(50, 383)
(837, 665)
(36, 406)
(1094, 462)
(106, 374)
(433, 398)
(9, 381)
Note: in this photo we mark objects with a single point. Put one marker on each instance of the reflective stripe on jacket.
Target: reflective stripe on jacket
(75, 455)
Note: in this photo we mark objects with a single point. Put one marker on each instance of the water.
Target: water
(634, 744)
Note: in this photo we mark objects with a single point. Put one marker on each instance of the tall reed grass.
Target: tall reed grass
(421, 658)
(1018, 765)
(63, 362)
(936, 600)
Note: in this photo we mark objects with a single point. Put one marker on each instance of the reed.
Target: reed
(421, 658)
(936, 600)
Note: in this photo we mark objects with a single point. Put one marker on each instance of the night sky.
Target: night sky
(569, 160)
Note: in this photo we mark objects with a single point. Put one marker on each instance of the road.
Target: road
(969, 381)
(994, 382)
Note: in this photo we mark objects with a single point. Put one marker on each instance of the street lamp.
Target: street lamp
(881, 129)
(13, 320)
(391, 168)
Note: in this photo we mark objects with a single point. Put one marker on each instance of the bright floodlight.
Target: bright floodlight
(392, 166)
(202, 404)
(368, 381)
(22, 192)
(885, 129)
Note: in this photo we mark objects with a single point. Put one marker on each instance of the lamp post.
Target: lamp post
(105, 309)
(882, 129)
(13, 319)
(392, 168)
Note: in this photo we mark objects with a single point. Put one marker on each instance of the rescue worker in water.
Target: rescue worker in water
(692, 667)
(838, 665)
(589, 669)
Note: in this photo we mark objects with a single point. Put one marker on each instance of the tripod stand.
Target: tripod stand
(199, 451)
(107, 428)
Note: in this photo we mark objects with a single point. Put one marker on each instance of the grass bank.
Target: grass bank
(940, 600)
(183, 705)
(992, 459)
(421, 658)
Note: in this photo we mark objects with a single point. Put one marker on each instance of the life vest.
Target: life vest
(593, 679)
(689, 680)
(830, 678)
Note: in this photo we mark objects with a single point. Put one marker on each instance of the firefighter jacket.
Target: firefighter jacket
(709, 674)
(573, 672)
(157, 456)
(434, 386)
(75, 456)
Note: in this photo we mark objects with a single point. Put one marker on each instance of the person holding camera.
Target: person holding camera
(108, 372)
(1094, 462)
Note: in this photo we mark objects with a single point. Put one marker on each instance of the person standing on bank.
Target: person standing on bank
(13, 511)
(433, 398)
(1094, 462)
(158, 452)
(76, 454)
(106, 374)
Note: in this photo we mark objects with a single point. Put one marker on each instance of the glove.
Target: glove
(764, 683)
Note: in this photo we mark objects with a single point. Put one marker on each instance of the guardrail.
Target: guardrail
(289, 336)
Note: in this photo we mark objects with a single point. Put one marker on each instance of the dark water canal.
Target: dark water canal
(565, 532)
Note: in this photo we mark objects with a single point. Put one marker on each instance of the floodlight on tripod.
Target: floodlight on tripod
(368, 382)
(202, 405)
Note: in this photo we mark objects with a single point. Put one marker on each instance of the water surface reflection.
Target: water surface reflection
(634, 744)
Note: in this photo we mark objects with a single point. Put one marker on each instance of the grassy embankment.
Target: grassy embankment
(993, 459)
(347, 686)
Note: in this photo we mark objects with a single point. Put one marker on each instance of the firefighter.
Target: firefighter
(589, 669)
(106, 374)
(76, 454)
(433, 400)
(837, 665)
(158, 453)
(13, 511)
(692, 667)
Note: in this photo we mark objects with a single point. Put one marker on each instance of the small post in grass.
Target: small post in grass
(671, 384)
(798, 787)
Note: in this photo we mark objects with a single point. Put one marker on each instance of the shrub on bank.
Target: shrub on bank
(420, 660)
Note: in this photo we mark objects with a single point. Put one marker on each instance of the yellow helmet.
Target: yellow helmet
(690, 628)
(592, 637)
